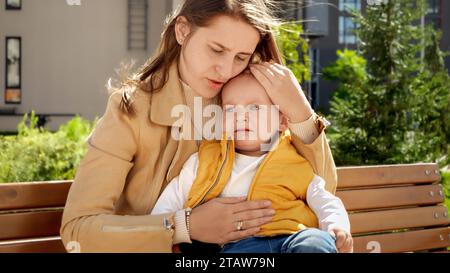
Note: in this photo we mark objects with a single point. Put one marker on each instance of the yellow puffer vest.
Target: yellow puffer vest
(283, 177)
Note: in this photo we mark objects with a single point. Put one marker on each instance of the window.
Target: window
(344, 5)
(434, 6)
(434, 13)
(137, 24)
(315, 64)
(346, 30)
(346, 24)
(13, 4)
(314, 55)
(13, 53)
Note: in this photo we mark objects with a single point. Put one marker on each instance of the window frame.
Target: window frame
(8, 5)
(8, 86)
(345, 35)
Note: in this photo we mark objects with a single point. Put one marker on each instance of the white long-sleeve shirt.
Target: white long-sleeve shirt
(328, 208)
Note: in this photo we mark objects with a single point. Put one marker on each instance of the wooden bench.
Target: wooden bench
(395, 208)
(392, 208)
(30, 216)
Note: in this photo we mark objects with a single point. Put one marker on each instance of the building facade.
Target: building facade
(57, 55)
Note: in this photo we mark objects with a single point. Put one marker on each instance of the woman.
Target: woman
(132, 155)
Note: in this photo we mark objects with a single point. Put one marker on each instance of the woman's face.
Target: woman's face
(214, 54)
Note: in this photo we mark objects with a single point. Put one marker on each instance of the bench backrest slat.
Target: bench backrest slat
(415, 195)
(30, 224)
(396, 219)
(33, 195)
(385, 175)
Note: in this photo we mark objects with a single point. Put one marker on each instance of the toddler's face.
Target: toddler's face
(249, 115)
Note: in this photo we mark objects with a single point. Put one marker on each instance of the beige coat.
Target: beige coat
(127, 166)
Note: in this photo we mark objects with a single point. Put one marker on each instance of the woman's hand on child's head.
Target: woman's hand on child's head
(344, 240)
(217, 221)
(283, 89)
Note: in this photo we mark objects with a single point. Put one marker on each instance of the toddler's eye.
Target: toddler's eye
(230, 109)
(254, 107)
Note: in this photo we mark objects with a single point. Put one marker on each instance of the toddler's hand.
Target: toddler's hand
(344, 240)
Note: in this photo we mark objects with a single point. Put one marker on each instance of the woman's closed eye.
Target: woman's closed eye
(216, 50)
(221, 51)
(241, 59)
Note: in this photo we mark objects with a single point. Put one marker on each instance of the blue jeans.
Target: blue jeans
(309, 240)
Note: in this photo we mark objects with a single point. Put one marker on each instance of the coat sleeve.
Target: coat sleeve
(318, 152)
(89, 223)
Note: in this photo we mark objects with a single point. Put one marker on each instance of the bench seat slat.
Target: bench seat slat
(374, 221)
(30, 224)
(385, 175)
(38, 245)
(365, 199)
(33, 194)
(403, 241)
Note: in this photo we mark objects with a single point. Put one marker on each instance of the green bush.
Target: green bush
(392, 104)
(36, 154)
(294, 49)
(446, 186)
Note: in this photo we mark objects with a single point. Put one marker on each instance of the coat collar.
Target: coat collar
(164, 100)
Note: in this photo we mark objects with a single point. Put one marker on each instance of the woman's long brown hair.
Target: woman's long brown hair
(153, 75)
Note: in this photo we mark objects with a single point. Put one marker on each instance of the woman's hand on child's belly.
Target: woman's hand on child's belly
(217, 221)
